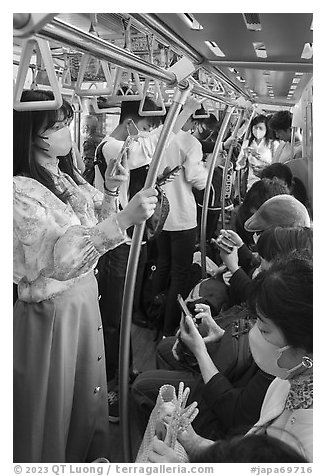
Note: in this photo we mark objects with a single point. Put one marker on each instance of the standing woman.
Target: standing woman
(62, 225)
(258, 151)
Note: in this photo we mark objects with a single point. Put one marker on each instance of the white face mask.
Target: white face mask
(59, 142)
(143, 133)
(259, 134)
(267, 355)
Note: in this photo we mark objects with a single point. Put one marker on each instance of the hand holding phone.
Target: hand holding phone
(113, 164)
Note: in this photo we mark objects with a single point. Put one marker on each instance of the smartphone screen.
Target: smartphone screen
(183, 306)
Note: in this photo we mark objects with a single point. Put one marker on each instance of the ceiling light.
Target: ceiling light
(296, 80)
(241, 79)
(307, 51)
(252, 21)
(299, 74)
(190, 21)
(213, 46)
(260, 49)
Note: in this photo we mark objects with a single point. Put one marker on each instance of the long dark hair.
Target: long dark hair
(284, 294)
(26, 128)
(257, 120)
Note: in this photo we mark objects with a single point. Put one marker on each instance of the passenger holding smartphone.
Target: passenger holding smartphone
(258, 151)
(139, 136)
(176, 243)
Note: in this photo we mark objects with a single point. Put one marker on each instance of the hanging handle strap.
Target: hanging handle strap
(28, 50)
(93, 91)
(205, 115)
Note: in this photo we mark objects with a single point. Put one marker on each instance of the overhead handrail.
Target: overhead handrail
(119, 93)
(168, 37)
(226, 168)
(157, 88)
(130, 280)
(74, 37)
(96, 91)
(27, 52)
(203, 224)
(27, 24)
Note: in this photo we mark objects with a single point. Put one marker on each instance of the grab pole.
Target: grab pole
(203, 225)
(179, 98)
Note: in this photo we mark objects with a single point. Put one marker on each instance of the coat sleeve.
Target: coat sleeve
(236, 406)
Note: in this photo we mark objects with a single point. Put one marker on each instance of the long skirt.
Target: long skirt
(60, 392)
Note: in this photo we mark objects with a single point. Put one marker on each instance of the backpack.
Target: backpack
(212, 291)
(214, 202)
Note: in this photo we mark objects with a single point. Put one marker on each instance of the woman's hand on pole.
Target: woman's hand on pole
(140, 208)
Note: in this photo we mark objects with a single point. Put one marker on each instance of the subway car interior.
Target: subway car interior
(163, 209)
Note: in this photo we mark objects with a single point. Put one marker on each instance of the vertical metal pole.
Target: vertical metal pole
(219, 139)
(179, 98)
(293, 131)
(226, 167)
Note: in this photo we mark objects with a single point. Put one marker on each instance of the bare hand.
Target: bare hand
(161, 453)
(227, 239)
(140, 208)
(192, 442)
(231, 141)
(230, 260)
(190, 335)
(215, 332)
(121, 176)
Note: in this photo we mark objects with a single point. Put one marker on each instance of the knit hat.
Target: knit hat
(281, 210)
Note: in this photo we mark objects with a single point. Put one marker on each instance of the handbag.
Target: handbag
(231, 354)
(170, 404)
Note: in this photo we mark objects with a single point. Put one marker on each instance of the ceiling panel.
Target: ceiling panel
(283, 34)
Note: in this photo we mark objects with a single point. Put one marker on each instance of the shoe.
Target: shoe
(113, 401)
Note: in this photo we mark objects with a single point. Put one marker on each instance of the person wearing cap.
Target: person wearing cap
(280, 210)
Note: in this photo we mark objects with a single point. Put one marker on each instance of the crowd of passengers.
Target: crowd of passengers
(73, 222)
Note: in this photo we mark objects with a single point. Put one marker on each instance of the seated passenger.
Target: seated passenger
(247, 449)
(221, 399)
(281, 343)
(272, 243)
(261, 191)
(294, 184)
